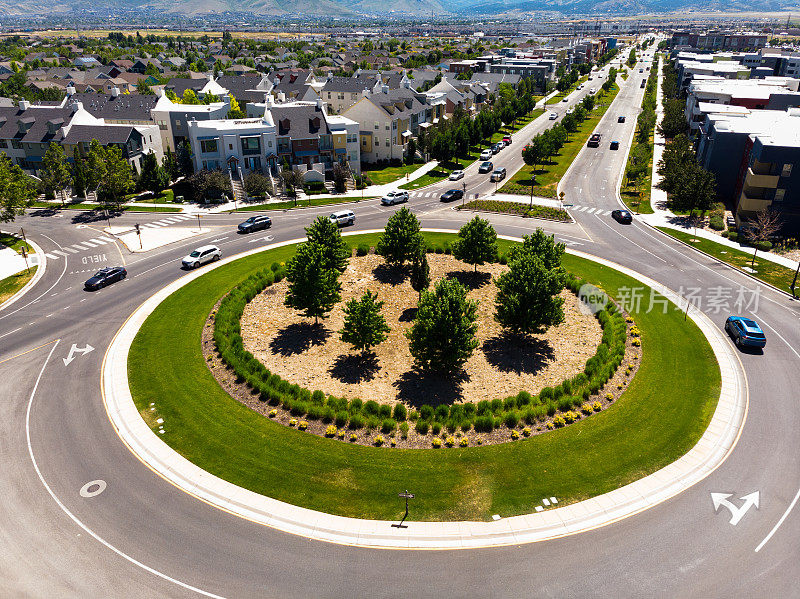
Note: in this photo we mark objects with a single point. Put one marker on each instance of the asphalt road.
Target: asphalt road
(140, 537)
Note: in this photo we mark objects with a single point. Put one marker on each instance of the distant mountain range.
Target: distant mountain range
(349, 8)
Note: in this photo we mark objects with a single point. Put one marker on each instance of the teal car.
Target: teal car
(745, 332)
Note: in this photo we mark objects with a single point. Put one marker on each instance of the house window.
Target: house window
(251, 145)
(208, 146)
(387, 141)
(787, 170)
(3, 143)
(377, 125)
(230, 146)
(16, 145)
(779, 193)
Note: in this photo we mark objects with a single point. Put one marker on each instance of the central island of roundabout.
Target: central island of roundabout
(195, 385)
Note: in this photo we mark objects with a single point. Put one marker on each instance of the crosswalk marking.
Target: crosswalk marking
(51, 256)
(88, 243)
(60, 252)
(589, 210)
(71, 251)
(99, 241)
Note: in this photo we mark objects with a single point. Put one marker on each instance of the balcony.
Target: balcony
(753, 179)
(752, 200)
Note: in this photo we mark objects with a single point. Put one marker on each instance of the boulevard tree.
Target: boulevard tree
(476, 243)
(154, 177)
(442, 337)
(401, 239)
(327, 235)
(117, 178)
(17, 189)
(314, 286)
(55, 173)
(364, 325)
(78, 174)
(677, 157)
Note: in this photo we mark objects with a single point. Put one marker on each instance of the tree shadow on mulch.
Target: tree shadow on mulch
(471, 279)
(417, 387)
(512, 353)
(298, 337)
(389, 275)
(408, 315)
(355, 368)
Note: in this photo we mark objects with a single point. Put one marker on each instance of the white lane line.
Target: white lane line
(216, 240)
(631, 241)
(71, 515)
(83, 300)
(583, 208)
(150, 225)
(590, 211)
(778, 524)
(14, 331)
(105, 238)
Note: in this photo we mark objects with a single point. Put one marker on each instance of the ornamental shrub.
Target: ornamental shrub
(388, 425)
(436, 428)
(331, 430)
(526, 431)
(362, 249)
(442, 412)
(512, 419)
(355, 406)
(436, 442)
(586, 408)
(356, 421)
(273, 413)
(353, 437)
(514, 435)
(426, 412)
(341, 418)
(372, 422)
(328, 414)
(379, 440)
(497, 405)
(509, 403)
(464, 442)
(559, 421)
(570, 417)
(318, 398)
(597, 406)
(422, 427)
(450, 441)
(371, 408)
(385, 411)
(523, 398)
(404, 430)
(399, 412)
(484, 424)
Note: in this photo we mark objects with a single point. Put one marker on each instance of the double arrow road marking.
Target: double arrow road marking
(75, 349)
(737, 513)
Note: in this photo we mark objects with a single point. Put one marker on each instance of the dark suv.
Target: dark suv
(254, 223)
(594, 140)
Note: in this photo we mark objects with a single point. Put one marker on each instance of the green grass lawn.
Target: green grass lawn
(123, 208)
(14, 242)
(167, 196)
(548, 175)
(10, 285)
(302, 203)
(766, 271)
(388, 174)
(658, 419)
(518, 209)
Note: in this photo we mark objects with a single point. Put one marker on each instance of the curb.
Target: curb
(709, 453)
(41, 267)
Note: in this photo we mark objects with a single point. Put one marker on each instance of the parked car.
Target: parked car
(105, 276)
(614, 145)
(553, 116)
(456, 175)
(621, 118)
(745, 332)
(201, 255)
(565, 100)
(592, 90)
(497, 147)
(622, 216)
(486, 167)
(594, 140)
(498, 174)
(507, 140)
(644, 82)
(451, 195)
(343, 217)
(486, 154)
(394, 197)
(254, 223)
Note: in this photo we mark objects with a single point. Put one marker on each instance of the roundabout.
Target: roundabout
(228, 479)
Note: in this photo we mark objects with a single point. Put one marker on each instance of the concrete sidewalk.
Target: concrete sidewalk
(713, 448)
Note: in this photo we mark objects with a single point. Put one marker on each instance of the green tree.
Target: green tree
(17, 189)
(677, 157)
(442, 337)
(55, 173)
(673, 122)
(95, 165)
(411, 151)
(190, 97)
(420, 271)
(118, 177)
(170, 164)
(695, 190)
(476, 243)
(364, 325)
(401, 238)
(154, 177)
(527, 298)
(78, 174)
(235, 111)
(183, 155)
(327, 235)
(542, 245)
(314, 287)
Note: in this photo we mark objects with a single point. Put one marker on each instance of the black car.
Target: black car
(486, 167)
(451, 195)
(254, 223)
(614, 145)
(105, 276)
(622, 216)
(621, 119)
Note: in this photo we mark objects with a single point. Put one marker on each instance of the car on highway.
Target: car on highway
(745, 332)
(451, 195)
(343, 218)
(621, 118)
(456, 175)
(254, 223)
(622, 216)
(486, 154)
(614, 145)
(105, 276)
(594, 140)
(202, 255)
(498, 174)
(507, 140)
(553, 116)
(394, 197)
(486, 167)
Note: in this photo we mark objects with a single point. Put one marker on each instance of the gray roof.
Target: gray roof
(130, 107)
(181, 84)
(35, 116)
(299, 119)
(110, 134)
(347, 84)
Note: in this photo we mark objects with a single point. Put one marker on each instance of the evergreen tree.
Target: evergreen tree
(476, 243)
(420, 271)
(78, 174)
(401, 238)
(364, 325)
(170, 164)
(153, 178)
(542, 245)
(313, 286)
(327, 235)
(442, 337)
(183, 155)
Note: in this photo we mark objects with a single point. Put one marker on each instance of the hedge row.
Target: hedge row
(518, 208)
(483, 416)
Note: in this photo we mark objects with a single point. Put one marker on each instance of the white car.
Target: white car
(486, 155)
(553, 116)
(456, 175)
(394, 197)
(201, 255)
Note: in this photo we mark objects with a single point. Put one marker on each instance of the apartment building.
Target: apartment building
(173, 119)
(719, 40)
(219, 144)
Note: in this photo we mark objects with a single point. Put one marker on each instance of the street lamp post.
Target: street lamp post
(464, 194)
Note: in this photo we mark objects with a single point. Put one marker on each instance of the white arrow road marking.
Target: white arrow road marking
(737, 513)
(267, 238)
(80, 350)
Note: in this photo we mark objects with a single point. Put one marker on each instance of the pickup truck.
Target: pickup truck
(594, 140)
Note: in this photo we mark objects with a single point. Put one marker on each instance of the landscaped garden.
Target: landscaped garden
(609, 427)
(10, 285)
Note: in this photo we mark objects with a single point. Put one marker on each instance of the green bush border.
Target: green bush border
(519, 209)
(660, 416)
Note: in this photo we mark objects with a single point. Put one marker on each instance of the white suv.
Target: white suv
(394, 197)
(201, 255)
(487, 154)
